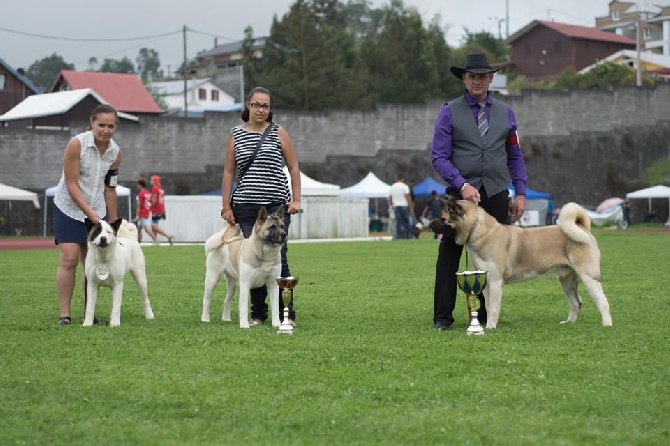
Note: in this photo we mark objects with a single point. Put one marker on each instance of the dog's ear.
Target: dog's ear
(262, 214)
(117, 224)
(89, 224)
(451, 206)
(280, 211)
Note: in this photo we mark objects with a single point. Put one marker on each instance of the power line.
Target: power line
(211, 35)
(74, 39)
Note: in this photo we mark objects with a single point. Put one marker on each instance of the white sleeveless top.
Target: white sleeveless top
(92, 171)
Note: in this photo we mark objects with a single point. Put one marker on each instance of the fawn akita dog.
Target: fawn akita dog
(246, 263)
(513, 254)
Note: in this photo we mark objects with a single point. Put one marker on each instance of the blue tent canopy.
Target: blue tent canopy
(531, 194)
(427, 186)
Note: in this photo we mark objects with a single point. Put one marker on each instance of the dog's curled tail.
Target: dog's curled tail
(226, 235)
(575, 223)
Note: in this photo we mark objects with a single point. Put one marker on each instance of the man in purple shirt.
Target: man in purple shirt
(476, 151)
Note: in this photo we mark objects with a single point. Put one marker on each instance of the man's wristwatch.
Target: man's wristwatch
(463, 187)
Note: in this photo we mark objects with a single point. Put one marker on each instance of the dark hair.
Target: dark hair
(103, 108)
(142, 182)
(245, 111)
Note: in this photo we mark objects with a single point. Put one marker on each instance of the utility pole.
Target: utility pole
(507, 19)
(638, 45)
(242, 82)
(185, 74)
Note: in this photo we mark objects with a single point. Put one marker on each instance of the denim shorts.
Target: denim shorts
(68, 230)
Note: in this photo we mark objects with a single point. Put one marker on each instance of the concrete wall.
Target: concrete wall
(581, 146)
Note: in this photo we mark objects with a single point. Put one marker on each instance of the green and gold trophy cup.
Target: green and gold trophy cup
(287, 283)
(472, 283)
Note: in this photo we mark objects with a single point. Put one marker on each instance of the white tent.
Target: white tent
(652, 192)
(121, 191)
(10, 193)
(312, 188)
(368, 187)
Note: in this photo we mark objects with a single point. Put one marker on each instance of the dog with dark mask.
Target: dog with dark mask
(246, 264)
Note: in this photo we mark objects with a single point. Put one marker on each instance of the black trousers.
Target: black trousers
(449, 258)
(245, 216)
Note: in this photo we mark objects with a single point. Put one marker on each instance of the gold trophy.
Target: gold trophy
(287, 283)
(472, 283)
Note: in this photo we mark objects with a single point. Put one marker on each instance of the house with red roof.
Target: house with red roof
(125, 92)
(542, 49)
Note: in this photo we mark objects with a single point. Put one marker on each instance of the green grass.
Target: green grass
(365, 366)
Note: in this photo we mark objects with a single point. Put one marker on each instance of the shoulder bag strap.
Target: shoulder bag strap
(244, 170)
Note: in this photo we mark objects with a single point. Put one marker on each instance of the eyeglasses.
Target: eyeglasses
(258, 105)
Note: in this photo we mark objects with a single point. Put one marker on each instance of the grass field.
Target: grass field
(365, 365)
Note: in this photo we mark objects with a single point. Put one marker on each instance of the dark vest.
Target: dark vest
(479, 163)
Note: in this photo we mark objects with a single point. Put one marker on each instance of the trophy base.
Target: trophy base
(475, 328)
(285, 329)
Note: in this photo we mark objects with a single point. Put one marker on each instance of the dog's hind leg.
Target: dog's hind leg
(91, 300)
(595, 289)
(211, 279)
(569, 281)
(141, 281)
(231, 286)
(117, 296)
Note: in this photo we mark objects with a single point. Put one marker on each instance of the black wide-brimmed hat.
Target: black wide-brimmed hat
(474, 63)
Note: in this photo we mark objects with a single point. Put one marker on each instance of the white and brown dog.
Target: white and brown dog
(113, 250)
(247, 263)
(512, 254)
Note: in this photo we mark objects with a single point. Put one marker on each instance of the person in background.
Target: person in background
(476, 151)
(433, 209)
(87, 189)
(143, 218)
(256, 151)
(158, 208)
(401, 201)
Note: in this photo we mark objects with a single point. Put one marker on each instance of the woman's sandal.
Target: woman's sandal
(64, 320)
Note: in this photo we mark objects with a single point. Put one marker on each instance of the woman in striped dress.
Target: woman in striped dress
(261, 181)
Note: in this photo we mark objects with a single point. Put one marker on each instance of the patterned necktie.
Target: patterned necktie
(482, 122)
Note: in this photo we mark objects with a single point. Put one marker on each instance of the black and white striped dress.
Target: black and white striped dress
(264, 182)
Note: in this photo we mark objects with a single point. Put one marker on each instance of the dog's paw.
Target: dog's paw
(114, 323)
(88, 323)
(243, 325)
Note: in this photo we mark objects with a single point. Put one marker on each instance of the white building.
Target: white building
(201, 94)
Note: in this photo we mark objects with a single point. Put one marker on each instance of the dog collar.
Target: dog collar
(472, 230)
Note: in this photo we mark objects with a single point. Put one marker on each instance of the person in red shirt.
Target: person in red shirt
(158, 208)
(143, 218)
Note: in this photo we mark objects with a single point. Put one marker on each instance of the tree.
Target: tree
(401, 57)
(124, 65)
(148, 65)
(92, 64)
(44, 72)
(310, 60)
(485, 42)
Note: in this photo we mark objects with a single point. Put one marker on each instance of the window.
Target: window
(202, 94)
(615, 15)
(2, 81)
(647, 33)
(215, 95)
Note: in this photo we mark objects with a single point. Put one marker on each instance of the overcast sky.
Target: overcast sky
(52, 23)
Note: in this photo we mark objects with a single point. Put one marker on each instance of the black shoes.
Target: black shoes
(64, 320)
(442, 325)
